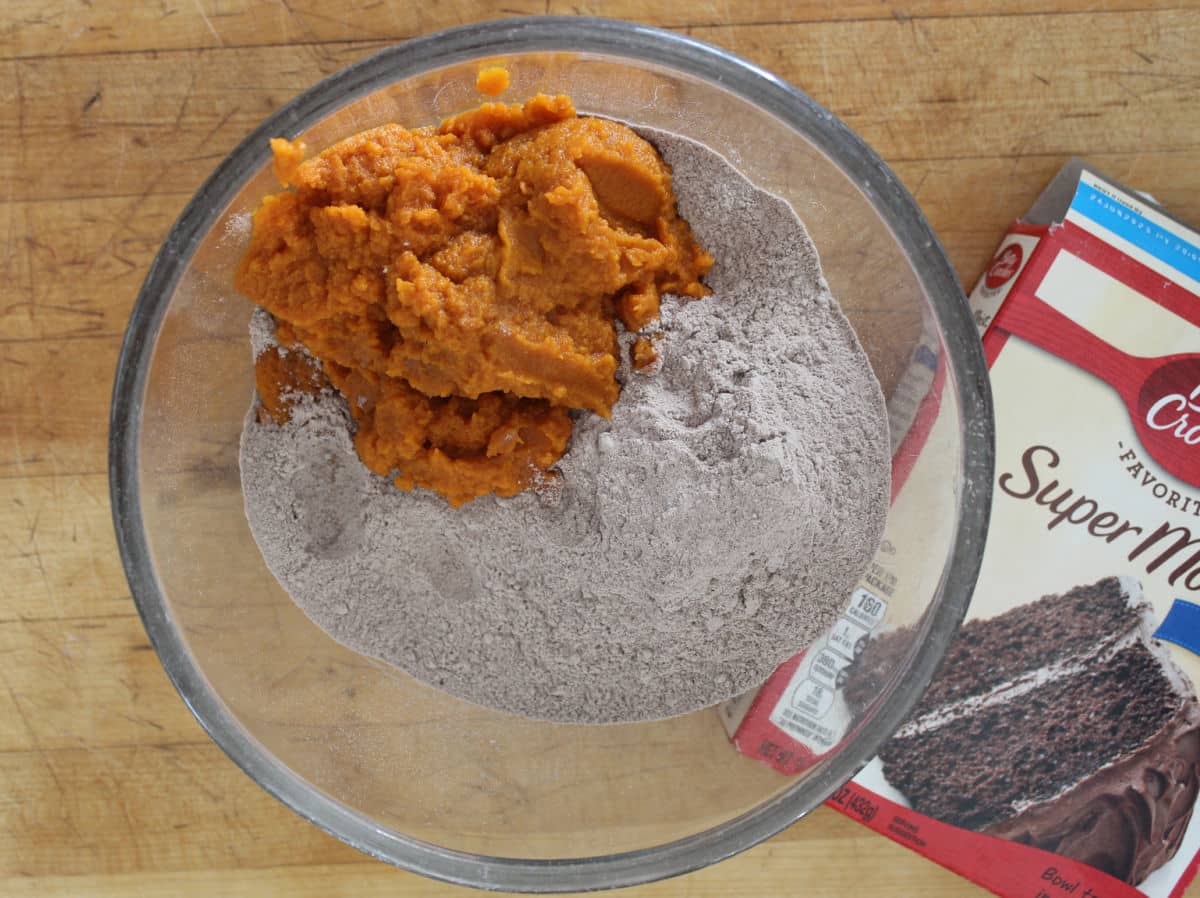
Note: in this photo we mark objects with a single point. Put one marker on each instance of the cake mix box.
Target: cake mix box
(1057, 751)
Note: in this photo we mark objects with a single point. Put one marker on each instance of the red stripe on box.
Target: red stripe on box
(914, 441)
(1145, 280)
(1186, 880)
(758, 738)
(1006, 868)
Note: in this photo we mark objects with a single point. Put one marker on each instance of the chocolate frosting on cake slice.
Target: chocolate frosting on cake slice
(1060, 724)
(1129, 818)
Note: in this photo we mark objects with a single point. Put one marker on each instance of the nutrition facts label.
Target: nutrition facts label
(810, 709)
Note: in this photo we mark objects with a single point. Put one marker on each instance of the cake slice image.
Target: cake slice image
(1060, 724)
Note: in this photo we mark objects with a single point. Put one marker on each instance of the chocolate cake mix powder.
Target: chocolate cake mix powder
(708, 530)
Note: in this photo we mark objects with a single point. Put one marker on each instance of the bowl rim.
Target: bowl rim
(645, 45)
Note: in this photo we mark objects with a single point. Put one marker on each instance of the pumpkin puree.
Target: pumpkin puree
(492, 81)
(458, 284)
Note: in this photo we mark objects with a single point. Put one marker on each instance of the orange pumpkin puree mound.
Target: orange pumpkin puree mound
(492, 81)
(459, 283)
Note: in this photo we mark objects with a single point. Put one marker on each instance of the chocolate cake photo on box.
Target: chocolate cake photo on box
(1061, 723)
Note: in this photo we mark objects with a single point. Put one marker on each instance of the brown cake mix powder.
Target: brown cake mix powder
(713, 526)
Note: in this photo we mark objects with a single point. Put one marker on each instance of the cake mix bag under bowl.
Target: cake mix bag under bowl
(1057, 752)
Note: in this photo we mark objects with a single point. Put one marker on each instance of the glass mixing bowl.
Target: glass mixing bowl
(402, 771)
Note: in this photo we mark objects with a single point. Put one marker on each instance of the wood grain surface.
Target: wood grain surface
(113, 113)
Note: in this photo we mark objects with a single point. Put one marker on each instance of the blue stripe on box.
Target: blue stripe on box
(1154, 239)
(1181, 626)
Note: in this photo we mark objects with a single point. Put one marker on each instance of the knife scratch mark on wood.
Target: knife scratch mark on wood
(208, 24)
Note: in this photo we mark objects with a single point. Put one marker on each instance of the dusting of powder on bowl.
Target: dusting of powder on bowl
(714, 526)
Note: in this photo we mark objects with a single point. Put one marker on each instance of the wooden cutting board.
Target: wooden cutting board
(114, 112)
